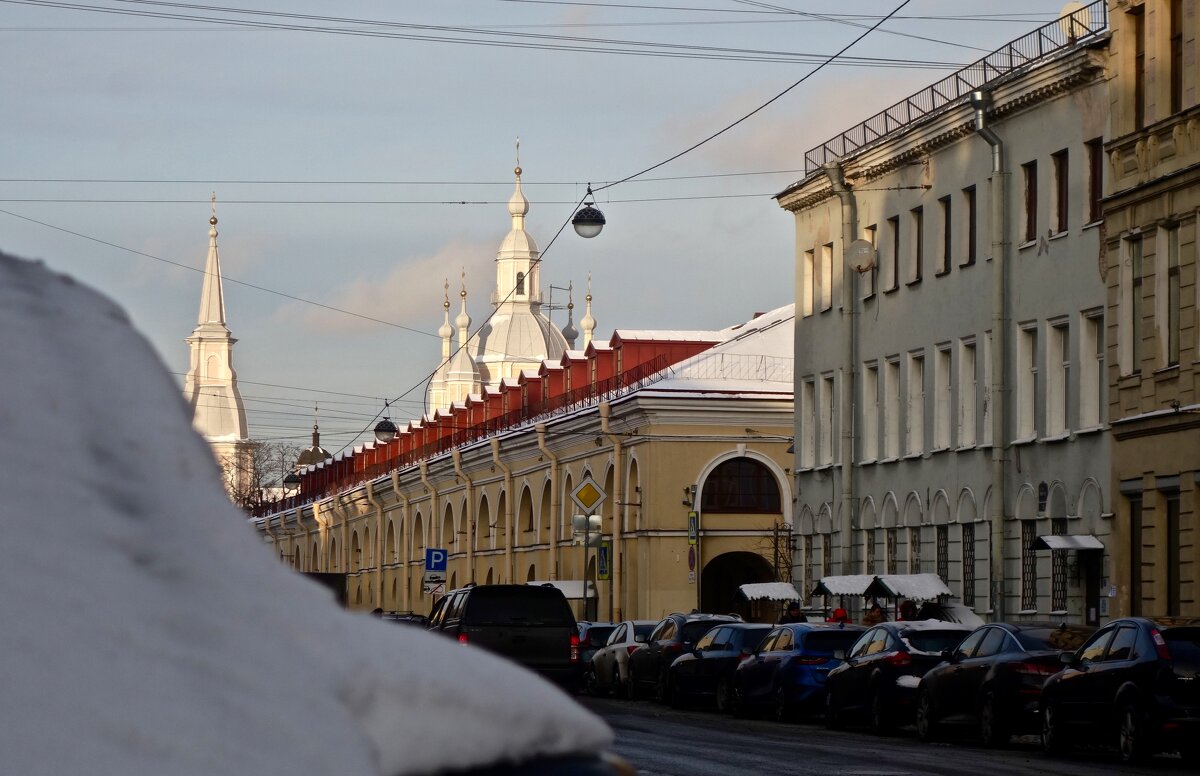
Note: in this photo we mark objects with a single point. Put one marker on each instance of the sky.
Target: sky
(361, 161)
(155, 633)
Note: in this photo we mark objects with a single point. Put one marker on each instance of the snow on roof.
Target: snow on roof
(847, 584)
(770, 591)
(751, 354)
(153, 632)
(670, 335)
(918, 587)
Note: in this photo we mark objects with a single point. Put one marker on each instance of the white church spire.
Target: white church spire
(588, 323)
(569, 332)
(212, 294)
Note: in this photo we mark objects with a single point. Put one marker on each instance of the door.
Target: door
(1076, 685)
(948, 696)
(754, 672)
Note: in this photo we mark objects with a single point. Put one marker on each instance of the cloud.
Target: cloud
(410, 295)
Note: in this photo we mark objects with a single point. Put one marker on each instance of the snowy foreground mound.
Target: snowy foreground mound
(144, 629)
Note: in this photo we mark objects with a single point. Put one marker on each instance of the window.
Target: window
(1135, 554)
(1028, 565)
(1130, 331)
(1137, 30)
(917, 265)
(808, 407)
(893, 260)
(942, 405)
(968, 564)
(870, 409)
(1057, 374)
(943, 551)
(1091, 368)
(947, 237)
(972, 230)
(1061, 183)
(915, 420)
(967, 393)
(1029, 171)
(1095, 153)
(987, 388)
(914, 550)
(1176, 56)
(891, 410)
(810, 563)
(808, 287)
(1058, 568)
(826, 276)
(741, 485)
(869, 550)
(1167, 294)
(867, 282)
(1026, 399)
(825, 442)
(889, 538)
(1094, 650)
(520, 283)
(826, 554)
(1123, 643)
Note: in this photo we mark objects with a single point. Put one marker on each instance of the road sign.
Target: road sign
(603, 560)
(586, 527)
(435, 559)
(588, 495)
(691, 558)
(434, 588)
(693, 527)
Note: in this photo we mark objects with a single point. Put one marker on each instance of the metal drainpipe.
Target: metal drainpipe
(469, 515)
(378, 506)
(509, 528)
(555, 506)
(618, 611)
(835, 173)
(405, 545)
(434, 516)
(981, 101)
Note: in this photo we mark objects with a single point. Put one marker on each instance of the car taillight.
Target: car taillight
(633, 648)
(1035, 671)
(1160, 644)
(672, 649)
(462, 638)
(574, 647)
(808, 660)
(899, 659)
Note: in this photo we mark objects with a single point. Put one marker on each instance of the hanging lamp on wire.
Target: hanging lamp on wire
(385, 430)
(588, 220)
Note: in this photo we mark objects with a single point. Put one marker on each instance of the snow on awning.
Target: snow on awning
(571, 588)
(849, 584)
(1076, 542)
(770, 591)
(917, 587)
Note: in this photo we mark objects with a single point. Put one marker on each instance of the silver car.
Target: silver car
(608, 671)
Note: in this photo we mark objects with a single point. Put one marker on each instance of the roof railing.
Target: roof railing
(1078, 28)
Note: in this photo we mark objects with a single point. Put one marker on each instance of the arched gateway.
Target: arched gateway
(721, 577)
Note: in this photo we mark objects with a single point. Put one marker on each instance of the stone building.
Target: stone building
(1150, 207)
(951, 409)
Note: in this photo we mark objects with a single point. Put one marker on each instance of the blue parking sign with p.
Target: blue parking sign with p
(435, 559)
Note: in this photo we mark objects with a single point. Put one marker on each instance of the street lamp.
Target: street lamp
(588, 220)
(291, 483)
(385, 430)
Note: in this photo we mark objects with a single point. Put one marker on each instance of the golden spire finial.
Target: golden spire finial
(446, 299)
(463, 293)
(589, 293)
(213, 219)
(518, 169)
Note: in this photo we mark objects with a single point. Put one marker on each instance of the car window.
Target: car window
(967, 648)
(712, 639)
(617, 636)
(1122, 644)
(826, 642)
(439, 611)
(693, 631)
(503, 604)
(936, 641)
(784, 642)
(597, 636)
(455, 607)
(1068, 637)
(642, 630)
(993, 643)
(878, 642)
(768, 643)
(1094, 649)
(860, 646)
(750, 637)
(665, 632)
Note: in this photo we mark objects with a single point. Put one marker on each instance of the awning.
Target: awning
(915, 587)
(571, 588)
(1068, 542)
(849, 584)
(770, 591)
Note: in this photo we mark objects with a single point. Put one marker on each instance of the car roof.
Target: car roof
(824, 626)
(926, 625)
(1161, 622)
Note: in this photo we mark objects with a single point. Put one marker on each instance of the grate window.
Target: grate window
(943, 552)
(1028, 565)
(890, 549)
(968, 564)
(914, 550)
(1058, 568)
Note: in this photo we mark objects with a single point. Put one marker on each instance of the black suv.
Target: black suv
(530, 624)
(675, 635)
(1138, 681)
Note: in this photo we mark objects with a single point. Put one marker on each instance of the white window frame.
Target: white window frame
(968, 392)
(870, 410)
(914, 437)
(808, 287)
(891, 410)
(943, 404)
(808, 402)
(1026, 368)
(1058, 376)
(825, 440)
(1091, 369)
(826, 277)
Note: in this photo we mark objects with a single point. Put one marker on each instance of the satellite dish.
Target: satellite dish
(860, 256)
(1073, 21)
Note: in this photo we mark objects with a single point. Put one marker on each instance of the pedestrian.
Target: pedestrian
(874, 614)
(792, 614)
(908, 610)
(839, 615)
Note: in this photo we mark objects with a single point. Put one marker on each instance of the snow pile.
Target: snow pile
(770, 591)
(145, 628)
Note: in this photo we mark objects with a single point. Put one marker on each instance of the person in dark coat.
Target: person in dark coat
(874, 615)
(793, 613)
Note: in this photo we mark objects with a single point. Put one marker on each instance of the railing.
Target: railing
(1087, 23)
(640, 376)
(737, 366)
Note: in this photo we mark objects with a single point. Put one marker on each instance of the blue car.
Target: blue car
(786, 673)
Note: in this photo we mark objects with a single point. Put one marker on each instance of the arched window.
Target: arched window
(520, 282)
(740, 485)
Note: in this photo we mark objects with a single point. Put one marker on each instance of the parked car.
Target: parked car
(787, 671)
(530, 624)
(1135, 684)
(608, 670)
(707, 671)
(878, 681)
(674, 635)
(993, 679)
(592, 636)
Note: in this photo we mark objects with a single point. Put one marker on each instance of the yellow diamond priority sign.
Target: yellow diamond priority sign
(588, 495)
